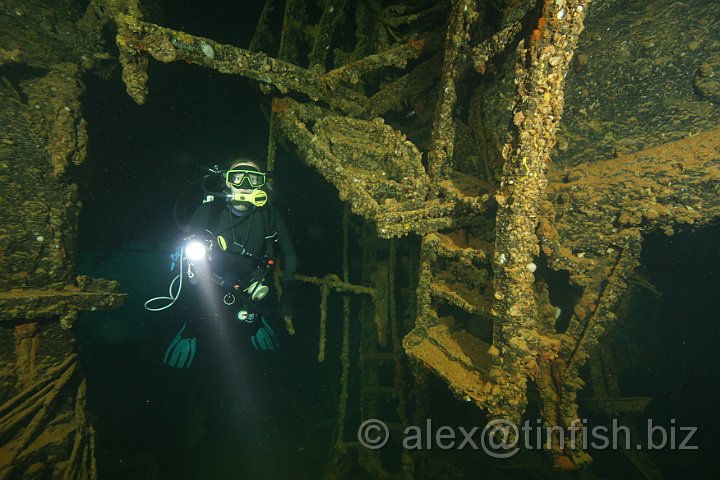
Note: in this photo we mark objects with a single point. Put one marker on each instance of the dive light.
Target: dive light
(195, 250)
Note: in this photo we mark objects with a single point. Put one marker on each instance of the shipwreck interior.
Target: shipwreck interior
(505, 213)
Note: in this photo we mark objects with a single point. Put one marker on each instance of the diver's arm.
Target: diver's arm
(199, 220)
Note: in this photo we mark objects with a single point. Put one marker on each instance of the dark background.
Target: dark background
(240, 413)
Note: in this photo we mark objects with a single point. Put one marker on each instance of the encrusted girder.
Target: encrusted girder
(379, 172)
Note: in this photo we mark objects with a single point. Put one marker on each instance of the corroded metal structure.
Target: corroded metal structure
(484, 130)
(487, 201)
(45, 432)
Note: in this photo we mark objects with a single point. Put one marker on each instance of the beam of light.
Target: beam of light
(243, 410)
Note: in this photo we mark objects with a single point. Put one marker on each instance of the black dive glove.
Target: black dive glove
(288, 298)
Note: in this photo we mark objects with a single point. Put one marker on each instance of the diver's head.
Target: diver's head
(245, 180)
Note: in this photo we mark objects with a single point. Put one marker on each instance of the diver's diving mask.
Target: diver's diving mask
(245, 178)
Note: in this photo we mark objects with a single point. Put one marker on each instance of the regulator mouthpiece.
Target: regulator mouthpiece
(257, 198)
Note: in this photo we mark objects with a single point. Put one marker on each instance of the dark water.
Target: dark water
(236, 413)
(242, 414)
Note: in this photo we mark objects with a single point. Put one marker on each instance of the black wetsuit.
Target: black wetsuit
(250, 236)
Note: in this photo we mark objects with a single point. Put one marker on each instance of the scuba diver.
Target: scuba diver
(235, 239)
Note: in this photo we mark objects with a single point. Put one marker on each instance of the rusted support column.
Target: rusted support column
(512, 25)
(396, 93)
(370, 33)
(482, 53)
(333, 14)
(262, 38)
(291, 35)
(290, 38)
(462, 18)
(340, 446)
(540, 87)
